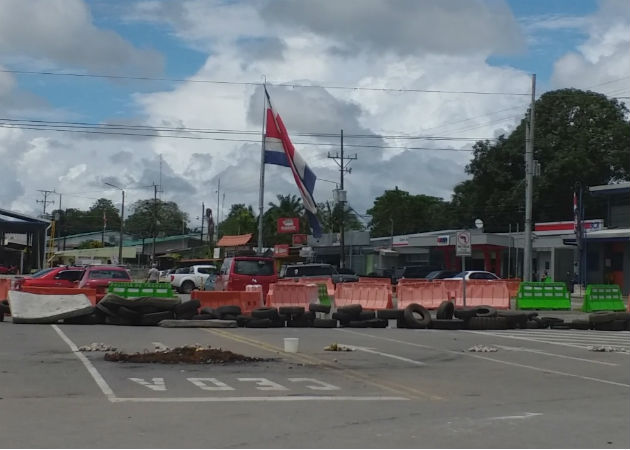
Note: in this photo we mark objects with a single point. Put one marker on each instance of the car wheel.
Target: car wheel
(187, 287)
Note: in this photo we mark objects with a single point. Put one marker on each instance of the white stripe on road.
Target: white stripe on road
(296, 398)
(546, 339)
(524, 416)
(100, 381)
(531, 350)
(508, 363)
(387, 355)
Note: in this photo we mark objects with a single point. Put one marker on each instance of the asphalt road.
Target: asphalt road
(398, 388)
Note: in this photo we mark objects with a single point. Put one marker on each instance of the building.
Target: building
(22, 240)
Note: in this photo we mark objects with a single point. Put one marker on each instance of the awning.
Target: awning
(234, 241)
(610, 235)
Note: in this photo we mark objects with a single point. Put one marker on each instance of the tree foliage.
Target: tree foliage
(287, 206)
(580, 137)
(75, 221)
(330, 217)
(240, 220)
(400, 212)
(159, 217)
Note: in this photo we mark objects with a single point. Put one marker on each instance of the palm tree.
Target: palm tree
(286, 206)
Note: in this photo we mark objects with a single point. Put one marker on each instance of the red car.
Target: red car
(62, 276)
(99, 277)
(236, 273)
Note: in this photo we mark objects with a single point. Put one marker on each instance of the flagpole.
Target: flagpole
(261, 192)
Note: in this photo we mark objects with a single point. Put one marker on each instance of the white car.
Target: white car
(186, 279)
(474, 275)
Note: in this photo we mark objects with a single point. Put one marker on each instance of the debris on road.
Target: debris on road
(337, 348)
(607, 348)
(483, 349)
(97, 347)
(189, 354)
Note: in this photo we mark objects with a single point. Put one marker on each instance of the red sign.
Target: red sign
(299, 239)
(281, 250)
(288, 225)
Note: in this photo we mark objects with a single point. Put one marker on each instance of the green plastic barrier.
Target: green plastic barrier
(322, 293)
(603, 297)
(128, 290)
(542, 295)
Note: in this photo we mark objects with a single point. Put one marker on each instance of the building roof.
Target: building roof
(234, 241)
(14, 222)
(608, 189)
(162, 239)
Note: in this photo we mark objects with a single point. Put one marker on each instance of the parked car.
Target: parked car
(62, 276)
(185, 279)
(440, 274)
(474, 275)
(413, 272)
(347, 275)
(317, 271)
(99, 277)
(239, 271)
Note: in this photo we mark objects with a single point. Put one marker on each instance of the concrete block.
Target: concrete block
(38, 308)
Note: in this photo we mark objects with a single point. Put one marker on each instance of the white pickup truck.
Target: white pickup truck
(185, 279)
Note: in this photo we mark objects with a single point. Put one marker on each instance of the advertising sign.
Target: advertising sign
(463, 246)
(288, 225)
(299, 239)
(443, 240)
(280, 250)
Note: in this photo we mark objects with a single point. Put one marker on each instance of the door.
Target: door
(68, 278)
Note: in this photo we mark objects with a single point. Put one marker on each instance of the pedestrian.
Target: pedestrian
(154, 275)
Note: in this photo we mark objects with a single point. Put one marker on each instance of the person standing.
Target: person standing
(154, 275)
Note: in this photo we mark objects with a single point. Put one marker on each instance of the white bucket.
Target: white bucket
(291, 345)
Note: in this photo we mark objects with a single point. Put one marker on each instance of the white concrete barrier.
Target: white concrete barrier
(37, 308)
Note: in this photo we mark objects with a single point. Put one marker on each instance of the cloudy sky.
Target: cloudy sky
(412, 83)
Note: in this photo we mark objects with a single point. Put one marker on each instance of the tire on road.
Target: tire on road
(291, 310)
(228, 309)
(258, 323)
(447, 324)
(357, 324)
(367, 315)
(128, 313)
(156, 318)
(464, 313)
(316, 307)
(485, 311)
(615, 325)
(445, 310)
(377, 323)
(393, 314)
(189, 307)
(601, 317)
(265, 312)
(579, 324)
(351, 310)
(412, 320)
(488, 323)
(324, 323)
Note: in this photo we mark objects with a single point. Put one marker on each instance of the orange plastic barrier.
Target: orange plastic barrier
(5, 284)
(368, 295)
(486, 292)
(429, 294)
(453, 290)
(404, 281)
(512, 285)
(297, 294)
(89, 293)
(330, 286)
(248, 301)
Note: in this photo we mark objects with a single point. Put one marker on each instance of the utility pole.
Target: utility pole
(343, 164)
(529, 184)
(218, 212)
(203, 215)
(155, 220)
(45, 202)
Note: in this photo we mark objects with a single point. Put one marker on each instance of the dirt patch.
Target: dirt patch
(185, 355)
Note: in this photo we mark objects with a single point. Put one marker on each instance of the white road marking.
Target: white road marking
(263, 384)
(318, 386)
(100, 381)
(531, 350)
(159, 345)
(525, 416)
(156, 384)
(580, 341)
(296, 398)
(471, 355)
(217, 385)
(387, 355)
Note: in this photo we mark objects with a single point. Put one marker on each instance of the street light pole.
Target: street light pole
(122, 222)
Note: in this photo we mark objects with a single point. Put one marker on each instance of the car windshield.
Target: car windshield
(433, 274)
(257, 267)
(106, 274)
(460, 275)
(42, 272)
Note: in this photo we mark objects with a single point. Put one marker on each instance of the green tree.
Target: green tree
(75, 221)
(400, 212)
(240, 220)
(157, 217)
(90, 244)
(330, 214)
(579, 137)
(287, 206)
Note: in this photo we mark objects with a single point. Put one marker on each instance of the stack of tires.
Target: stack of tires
(354, 316)
(289, 316)
(609, 321)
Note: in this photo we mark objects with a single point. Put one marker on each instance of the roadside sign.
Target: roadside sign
(281, 250)
(288, 225)
(463, 246)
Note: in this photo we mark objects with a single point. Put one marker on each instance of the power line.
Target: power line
(251, 83)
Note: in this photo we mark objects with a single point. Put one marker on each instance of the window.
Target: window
(225, 268)
(310, 271)
(106, 274)
(42, 272)
(69, 275)
(253, 267)
(206, 270)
